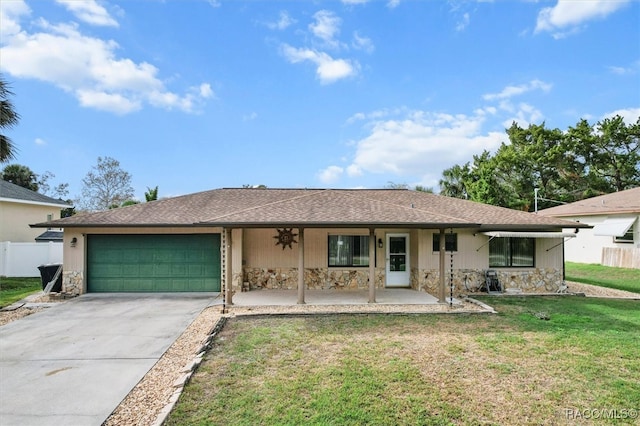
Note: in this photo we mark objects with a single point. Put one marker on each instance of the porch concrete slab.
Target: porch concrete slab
(73, 363)
(396, 296)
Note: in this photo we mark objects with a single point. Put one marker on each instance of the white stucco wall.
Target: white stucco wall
(587, 247)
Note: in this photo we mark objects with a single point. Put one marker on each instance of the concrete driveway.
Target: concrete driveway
(72, 364)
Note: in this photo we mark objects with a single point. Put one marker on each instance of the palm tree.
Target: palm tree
(151, 194)
(8, 119)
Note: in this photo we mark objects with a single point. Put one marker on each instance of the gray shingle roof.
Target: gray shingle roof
(10, 191)
(314, 208)
(615, 203)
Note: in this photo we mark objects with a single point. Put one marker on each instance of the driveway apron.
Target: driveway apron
(73, 363)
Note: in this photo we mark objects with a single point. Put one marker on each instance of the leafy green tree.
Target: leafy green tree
(563, 166)
(105, 185)
(421, 188)
(20, 175)
(486, 183)
(454, 181)
(8, 118)
(609, 152)
(151, 194)
(534, 158)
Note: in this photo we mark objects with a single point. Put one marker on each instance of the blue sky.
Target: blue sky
(201, 94)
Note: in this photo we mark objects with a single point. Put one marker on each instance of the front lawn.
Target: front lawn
(605, 276)
(541, 360)
(14, 289)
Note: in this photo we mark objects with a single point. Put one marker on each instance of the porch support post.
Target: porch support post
(300, 266)
(441, 290)
(372, 266)
(228, 293)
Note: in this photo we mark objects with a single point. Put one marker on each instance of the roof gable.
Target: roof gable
(249, 207)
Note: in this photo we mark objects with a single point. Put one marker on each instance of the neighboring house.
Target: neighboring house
(20, 207)
(345, 239)
(615, 237)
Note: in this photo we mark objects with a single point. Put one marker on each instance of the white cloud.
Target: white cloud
(393, 4)
(511, 91)
(630, 70)
(89, 68)
(362, 43)
(90, 12)
(463, 23)
(523, 114)
(629, 115)
(567, 16)
(250, 117)
(355, 1)
(328, 69)
(205, 91)
(10, 14)
(40, 142)
(417, 145)
(330, 175)
(326, 27)
(620, 70)
(376, 115)
(421, 144)
(284, 22)
(353, 170)
(111, 102)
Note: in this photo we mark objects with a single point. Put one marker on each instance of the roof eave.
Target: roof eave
(61, 204)
(412, 225)
(115, 225)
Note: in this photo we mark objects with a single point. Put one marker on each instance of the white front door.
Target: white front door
(398, 268)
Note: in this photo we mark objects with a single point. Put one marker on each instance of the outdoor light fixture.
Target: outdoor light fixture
(379, 242)
(74, 241)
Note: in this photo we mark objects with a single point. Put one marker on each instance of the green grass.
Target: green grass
(510, 368)
(605, 276)
(14, 289)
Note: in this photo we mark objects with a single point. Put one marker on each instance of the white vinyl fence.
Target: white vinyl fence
(23, 259)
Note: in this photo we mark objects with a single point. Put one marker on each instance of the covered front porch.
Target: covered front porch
(388, 301)
(335, 297)
(380, 272)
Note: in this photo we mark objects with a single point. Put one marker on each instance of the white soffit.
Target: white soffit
(614, 226)
(509, 234)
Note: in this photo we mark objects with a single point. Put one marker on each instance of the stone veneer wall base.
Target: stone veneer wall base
(72, 282)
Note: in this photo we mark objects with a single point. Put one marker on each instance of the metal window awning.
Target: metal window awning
(614, 226)
(512, 234)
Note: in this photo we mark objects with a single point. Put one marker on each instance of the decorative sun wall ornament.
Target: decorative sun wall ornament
(286, 237)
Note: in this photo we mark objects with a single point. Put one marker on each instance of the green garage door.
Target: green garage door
(153, 263)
